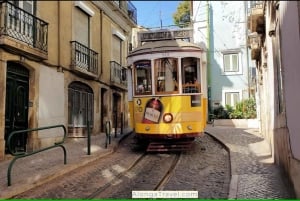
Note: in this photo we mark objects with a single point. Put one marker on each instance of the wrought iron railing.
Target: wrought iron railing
(128, 8)
(84, 58)
(132, 12)
(23, 26)
(118, 74)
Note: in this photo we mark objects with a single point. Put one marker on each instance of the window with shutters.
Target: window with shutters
(231, 62)
(81, 27)
(117, 49)
(231, 98)
(28, 6)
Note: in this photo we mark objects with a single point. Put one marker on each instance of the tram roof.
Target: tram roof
(165, 45)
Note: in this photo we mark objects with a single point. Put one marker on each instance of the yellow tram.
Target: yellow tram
(167, 88)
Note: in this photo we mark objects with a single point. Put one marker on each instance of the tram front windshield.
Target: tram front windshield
(166, 76)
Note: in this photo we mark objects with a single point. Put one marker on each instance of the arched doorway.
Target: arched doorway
(16, 105)
(80, 108)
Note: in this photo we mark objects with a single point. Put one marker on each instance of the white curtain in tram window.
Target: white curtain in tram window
(169, 75)
(160, 75)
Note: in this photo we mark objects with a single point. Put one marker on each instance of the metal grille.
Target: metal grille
(23, 26)
(127, 6)
(118, 74)
(84, 58)
(132, 13)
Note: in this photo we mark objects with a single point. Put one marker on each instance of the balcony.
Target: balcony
(22, 33)
(256, 21)
(84, 61)
(118, 76)
(128, 8)
(255, 44)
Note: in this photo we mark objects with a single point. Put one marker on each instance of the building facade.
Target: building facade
(221, 28)
(275, 43)
(62, 62)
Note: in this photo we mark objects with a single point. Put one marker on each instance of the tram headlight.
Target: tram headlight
(168, 118)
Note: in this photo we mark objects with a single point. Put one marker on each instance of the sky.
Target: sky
(150, 14)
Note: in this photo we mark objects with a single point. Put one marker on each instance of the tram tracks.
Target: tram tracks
(116, 176)
(129, 172)
(165, 179)
(108, 185)
(150, 180)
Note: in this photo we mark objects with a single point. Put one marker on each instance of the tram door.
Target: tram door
(16, 105)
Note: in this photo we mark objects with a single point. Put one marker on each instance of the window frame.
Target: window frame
(224, 92)
(148, 81)
(231, 70)
(191, 81)
(156, 73)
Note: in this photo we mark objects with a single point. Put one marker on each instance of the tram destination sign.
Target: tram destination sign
(165, 35)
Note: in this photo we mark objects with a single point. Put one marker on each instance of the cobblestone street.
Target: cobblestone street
(205, 169)
(254, 175)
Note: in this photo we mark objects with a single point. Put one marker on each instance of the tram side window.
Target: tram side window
(191, 75)
(143, 77)
(166, 75)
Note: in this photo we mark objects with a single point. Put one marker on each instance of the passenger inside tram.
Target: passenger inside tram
(190, 75)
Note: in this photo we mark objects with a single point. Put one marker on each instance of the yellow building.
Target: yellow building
(62, 62)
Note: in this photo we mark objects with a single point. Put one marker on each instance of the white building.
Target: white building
(276, 50)
(220, 26)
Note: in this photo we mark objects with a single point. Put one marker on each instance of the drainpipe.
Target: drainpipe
(101, 45)
(59, 37)
(208, 60)
(247, 49)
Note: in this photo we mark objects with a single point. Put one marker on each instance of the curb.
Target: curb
(18, 189)
(233, 188)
